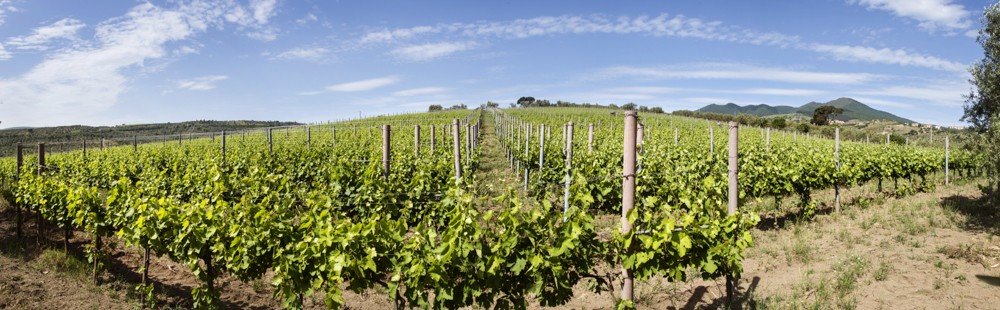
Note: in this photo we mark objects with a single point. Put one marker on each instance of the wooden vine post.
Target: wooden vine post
(527, 147)
(569, 166)
(416, 140)
(458, 155)
(946, 179)
(628, 194)
(223, 146)
(734, 196)
(385, 151)
(433, 130)
(590, 138)
(38, 172)
(836, 158)
(17, 177)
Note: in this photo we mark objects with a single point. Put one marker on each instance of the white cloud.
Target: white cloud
(941, 93)
(779, 92)
(263, 10)
(661, 25)
(5, 6)
(420, 91)
(201, 83)
(885, 103)
(4, 54)
(931, 15)
(39, 38)
(724, 71)
(315, 54)
(886, 56)
(425, 52)
(254, 21)
(79, 84)
(307, 19)
(356, 86)
(644, 89)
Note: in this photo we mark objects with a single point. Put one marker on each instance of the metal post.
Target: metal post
(432, 139)
(270, 144)
(308, 137)
(628, 193)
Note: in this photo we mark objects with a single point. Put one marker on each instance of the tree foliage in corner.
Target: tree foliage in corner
(824, 114)
(982, 108)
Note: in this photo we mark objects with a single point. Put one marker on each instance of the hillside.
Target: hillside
(754, 109)
(853, 109)
(11, 136)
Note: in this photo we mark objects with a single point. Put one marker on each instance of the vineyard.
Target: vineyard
(391, 202)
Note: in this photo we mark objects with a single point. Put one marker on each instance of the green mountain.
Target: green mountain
(753, 109)
(853, 109)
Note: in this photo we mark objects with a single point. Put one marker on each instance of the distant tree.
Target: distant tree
(897, 139)
(613, 106)
(543, 103)
(513, 105)
(824, 114)
(656, 110)
(458, 107)
(491, 104)
(434, 108)
(629, 106)
(803, 127)
(779, 123)
(526, 101)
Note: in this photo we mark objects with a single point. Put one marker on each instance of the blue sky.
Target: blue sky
(118, 62)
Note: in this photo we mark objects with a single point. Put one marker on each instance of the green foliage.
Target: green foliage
(824, 114)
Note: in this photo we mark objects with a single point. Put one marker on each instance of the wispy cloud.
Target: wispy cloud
(6, 6)
(885, 103)
(356, 86)
(931, 15)
(254, 19)
(420, 91)
(940, 93)
(307, 19)
(660, 25)
(80, 83)
(779, 92)
(734, 72)
(314, 54)
(201, 83)
(887, 56)
(425, 52)
(39, 38)
(4, 54)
